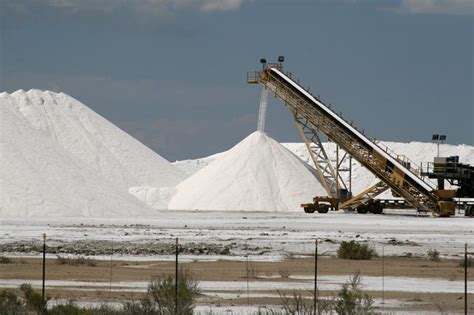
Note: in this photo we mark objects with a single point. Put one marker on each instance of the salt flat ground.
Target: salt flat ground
(273, 234)
(273, 242)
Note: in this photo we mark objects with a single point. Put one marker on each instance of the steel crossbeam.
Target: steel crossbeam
(312, 119)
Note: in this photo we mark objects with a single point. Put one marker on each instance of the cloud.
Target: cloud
(157, 15)
(208, 5)
(143, 6)
(451, 7)
(221, 5)
(440, 7)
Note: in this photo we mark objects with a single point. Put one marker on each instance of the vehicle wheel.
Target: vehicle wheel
(469, 211)
(323, 209)
(308, 210)
(362, 209)
(375, 208)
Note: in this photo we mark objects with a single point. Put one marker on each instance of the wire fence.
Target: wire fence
(249, 282)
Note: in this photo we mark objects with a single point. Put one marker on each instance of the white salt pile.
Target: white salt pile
(256, 174)
(59, 158)
(39, 178)
(155, 197)
(93, 139)
(418, 152)
(192, 166)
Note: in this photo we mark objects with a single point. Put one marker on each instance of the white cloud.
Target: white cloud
(221, 5)
(455, 7)
(441, 7)
(141, 5)
(208, 5)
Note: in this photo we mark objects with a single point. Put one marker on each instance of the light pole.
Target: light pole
(438, 138)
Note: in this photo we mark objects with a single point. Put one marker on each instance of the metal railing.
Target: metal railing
(253, 77)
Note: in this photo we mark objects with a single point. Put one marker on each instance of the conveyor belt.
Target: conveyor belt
(384, 165)
(356, 133)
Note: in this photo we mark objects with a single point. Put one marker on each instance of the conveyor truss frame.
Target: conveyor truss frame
(312, 116)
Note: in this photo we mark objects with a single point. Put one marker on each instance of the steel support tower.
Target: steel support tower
(313, 117)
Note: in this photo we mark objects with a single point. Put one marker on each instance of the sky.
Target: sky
(172, 73)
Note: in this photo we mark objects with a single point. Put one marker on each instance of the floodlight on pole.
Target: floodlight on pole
(281, 58)
(438, 138)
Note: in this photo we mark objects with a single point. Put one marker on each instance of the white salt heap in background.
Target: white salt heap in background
(90, 137)
(59, 158)
(256, 174)
(418, 152)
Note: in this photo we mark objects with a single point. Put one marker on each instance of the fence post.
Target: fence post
(247, 268)
(465, 278)
(44, 266)
(110, 273)
(176, 279)
(383, 275)
(315, 293)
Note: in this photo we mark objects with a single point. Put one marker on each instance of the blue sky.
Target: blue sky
(173, 72)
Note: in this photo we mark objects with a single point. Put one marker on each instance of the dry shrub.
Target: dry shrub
(433, 255)
(76, 261)
(5, 260)
(353, 250)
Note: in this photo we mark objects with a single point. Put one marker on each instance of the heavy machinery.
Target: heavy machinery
(314, 119)
(449, 169)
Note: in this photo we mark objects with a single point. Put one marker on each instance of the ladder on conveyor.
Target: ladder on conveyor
(312, 116)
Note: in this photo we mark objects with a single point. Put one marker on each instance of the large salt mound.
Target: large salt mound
(91, 138)
(40, 178)
(256, 174)
(418, 152)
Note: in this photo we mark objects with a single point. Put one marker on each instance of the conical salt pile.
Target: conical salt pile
(38, 178)
(60, 158)
(91, 138)
(258, 174)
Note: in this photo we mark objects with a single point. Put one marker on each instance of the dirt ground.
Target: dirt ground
(30, 269)
(224, 270)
